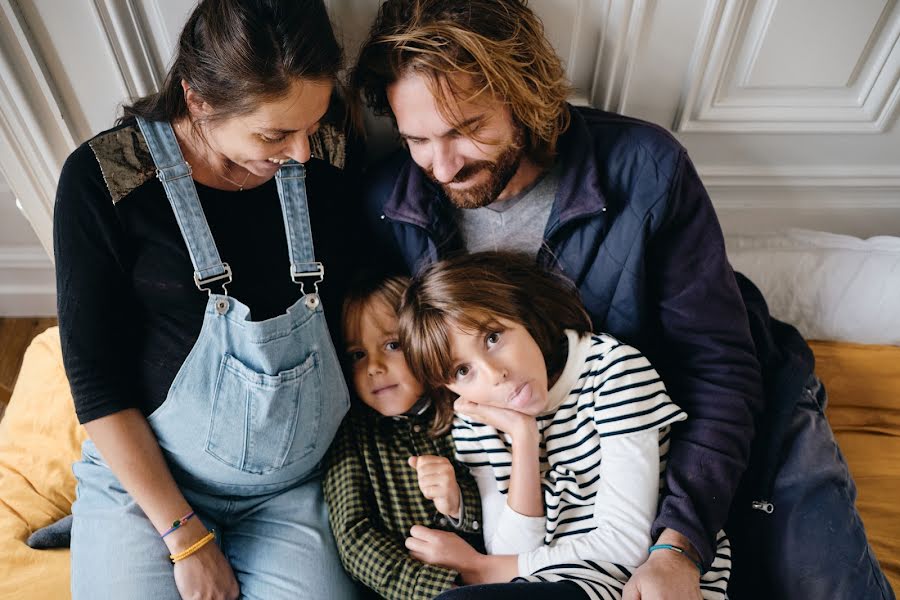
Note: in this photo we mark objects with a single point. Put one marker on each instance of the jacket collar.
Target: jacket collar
(417, 200)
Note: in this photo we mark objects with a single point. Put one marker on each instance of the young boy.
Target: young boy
(389, 467)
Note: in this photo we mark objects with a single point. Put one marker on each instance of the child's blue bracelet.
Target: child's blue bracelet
(679, 551)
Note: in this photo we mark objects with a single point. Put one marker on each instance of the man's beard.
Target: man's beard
(500, 171)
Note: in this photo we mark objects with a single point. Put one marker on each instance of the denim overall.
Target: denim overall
(243, 428)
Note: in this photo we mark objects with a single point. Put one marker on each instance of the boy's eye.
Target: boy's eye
(393, 345)
(356, 355)
(493, 338)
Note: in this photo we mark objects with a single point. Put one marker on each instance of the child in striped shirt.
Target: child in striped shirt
(565, 431)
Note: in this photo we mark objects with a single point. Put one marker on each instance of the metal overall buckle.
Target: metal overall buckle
(225, 278)
(311, 300)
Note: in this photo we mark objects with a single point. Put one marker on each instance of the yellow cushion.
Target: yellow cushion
(39, 440)
(863, 383)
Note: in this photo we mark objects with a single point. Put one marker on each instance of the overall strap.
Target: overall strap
(291, 181)
(175, 174)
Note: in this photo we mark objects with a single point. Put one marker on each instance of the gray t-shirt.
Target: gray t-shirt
(517, 223)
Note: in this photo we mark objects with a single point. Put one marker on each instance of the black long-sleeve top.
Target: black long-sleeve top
(129, 312)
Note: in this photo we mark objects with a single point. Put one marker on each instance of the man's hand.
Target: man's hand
(666, 575)
(437, 481)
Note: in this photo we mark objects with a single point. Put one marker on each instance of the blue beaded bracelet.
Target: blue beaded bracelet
(679, 551)
(177, 524)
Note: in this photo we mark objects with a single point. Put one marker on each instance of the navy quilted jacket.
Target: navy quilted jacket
(633, 226)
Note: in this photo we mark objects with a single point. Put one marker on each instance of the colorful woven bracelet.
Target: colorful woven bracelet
(178, 523)
(193, 548)
(679, 551)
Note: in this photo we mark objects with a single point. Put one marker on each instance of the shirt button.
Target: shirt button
(443, 521)
(475, 525)
(417, 428)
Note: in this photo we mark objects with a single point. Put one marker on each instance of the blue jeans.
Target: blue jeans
(279, 545)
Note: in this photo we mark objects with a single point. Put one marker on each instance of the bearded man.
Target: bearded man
(496, 158)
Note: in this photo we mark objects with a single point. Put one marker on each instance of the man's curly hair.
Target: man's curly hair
(497, 46)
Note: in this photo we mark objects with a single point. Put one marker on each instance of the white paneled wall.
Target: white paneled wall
(788, 108)
(26, 273)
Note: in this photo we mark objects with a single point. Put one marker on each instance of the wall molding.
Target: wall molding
(717, 97)
(24, 257)
(129, 45)
(27, 301)
(27, 284)
(34, 134)
(783, 203)
(36, 130)
(849, 177)
(626, 25)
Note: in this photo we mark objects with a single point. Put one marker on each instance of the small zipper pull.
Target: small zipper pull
(763, 505)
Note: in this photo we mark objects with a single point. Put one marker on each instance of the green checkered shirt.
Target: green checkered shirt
(374, 499)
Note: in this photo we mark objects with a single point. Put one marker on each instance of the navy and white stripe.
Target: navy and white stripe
(613, 391)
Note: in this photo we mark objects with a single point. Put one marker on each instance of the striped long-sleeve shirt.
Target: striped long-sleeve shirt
(374, 499)
(604, 441)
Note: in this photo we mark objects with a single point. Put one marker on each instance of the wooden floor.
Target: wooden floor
(15, 335)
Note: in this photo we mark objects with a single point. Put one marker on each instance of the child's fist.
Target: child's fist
(437, 481)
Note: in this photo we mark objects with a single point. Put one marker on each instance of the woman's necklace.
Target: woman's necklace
(239, 186)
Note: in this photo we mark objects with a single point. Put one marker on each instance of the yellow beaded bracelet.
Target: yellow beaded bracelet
(193, 548)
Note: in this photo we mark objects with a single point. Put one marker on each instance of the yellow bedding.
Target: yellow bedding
(863, 384)
(40, 439)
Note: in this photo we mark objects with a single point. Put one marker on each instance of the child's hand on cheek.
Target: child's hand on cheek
(437, 481)
(515, 423)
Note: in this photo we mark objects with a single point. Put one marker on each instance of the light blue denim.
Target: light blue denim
(243, 429)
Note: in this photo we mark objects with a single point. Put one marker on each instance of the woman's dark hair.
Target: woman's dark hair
(236, 53)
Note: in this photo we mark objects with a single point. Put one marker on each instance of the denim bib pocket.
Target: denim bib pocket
(262, 423)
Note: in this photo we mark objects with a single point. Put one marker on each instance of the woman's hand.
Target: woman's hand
(205, 574)
(517, 425)
(437, 482)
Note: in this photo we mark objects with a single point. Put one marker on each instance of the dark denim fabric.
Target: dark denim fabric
(813, 543)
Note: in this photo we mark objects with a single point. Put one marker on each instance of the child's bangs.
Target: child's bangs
(428, 347)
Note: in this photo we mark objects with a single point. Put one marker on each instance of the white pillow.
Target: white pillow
(829, 286)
